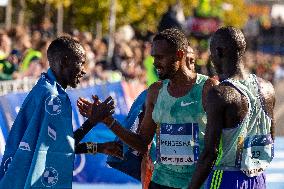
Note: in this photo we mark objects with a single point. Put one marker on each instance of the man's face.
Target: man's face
(164, 59)
(75, 69)
(190, 58)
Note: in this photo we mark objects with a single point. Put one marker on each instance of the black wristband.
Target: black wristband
(92, 147)
(87, 123)
(80, 133)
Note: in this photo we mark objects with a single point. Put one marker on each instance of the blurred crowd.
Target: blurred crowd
(264, 65)
(23, 54)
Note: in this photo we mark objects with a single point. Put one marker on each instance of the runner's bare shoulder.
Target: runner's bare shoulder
(209, 83)
(225, 100)
(266, 88)
(225, 94)
(153, 91)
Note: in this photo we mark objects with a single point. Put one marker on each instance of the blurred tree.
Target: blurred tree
(204, 8)
(145, 15)
(231, 12)
(85, 14)
(37, 10)
(66, 3)
(236, 14)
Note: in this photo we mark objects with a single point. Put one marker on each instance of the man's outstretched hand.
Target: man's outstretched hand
(97, 111)
(86, 107)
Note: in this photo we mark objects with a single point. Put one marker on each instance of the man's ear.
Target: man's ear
(180, 54)
(63, 62)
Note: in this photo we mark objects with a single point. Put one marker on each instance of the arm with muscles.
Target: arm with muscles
(209, 84)
(215, 108)
(268, 94)
(147, 165)
(272, 130)
(270, 104)
(139, 141)
(110, 148)
(148, 127)
(97, 112)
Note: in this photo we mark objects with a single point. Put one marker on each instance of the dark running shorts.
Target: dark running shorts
(219, 179)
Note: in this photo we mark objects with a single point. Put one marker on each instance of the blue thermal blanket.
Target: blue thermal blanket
(39, 152)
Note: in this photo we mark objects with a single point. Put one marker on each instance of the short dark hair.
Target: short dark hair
(175, 37)
(63, 46)
(232, 37)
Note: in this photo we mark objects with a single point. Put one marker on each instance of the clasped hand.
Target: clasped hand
(97, 111)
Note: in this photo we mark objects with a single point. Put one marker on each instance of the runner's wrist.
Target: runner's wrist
(108, 120)
(100, 147)
(111, 122)
(91, 147)
(92, 121)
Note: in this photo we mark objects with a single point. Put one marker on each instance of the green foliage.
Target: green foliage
(236, 17)
(66, 3)
(143, 15)
(88, 12)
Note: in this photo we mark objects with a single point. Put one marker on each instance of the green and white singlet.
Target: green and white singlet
(249, 146)
(180, 134)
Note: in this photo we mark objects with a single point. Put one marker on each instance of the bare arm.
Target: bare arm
(85, 108)
(209, 84)
(273, 123)
(271, 114)
(141, 141)
(215, 107)
(97, 114)
(80, 133)
(268, 94)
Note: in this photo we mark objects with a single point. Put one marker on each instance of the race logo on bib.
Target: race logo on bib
(177, 144)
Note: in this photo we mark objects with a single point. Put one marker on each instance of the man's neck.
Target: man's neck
(183, 77)
(61, 84)
(237, 72)
(181, 83)
(59, 80)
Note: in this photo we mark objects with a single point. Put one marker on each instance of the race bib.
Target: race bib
(254, 154)
(177, 144)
